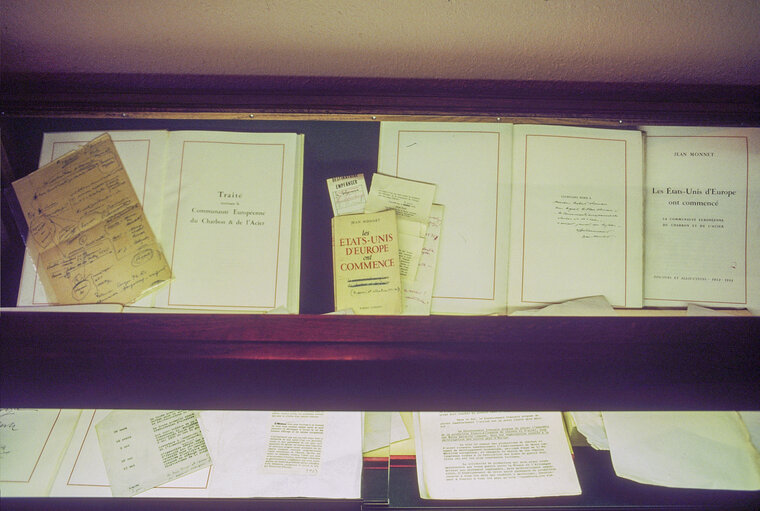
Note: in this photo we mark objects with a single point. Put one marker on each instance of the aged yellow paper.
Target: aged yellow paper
(87, 229)
(366, 263)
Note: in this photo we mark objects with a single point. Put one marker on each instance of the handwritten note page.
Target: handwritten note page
(470, 165)
(232, 220)
(32, 444)
(143, 156)
(709, 450)
(87, 229)
(577, 216)
(289, 454)
(418, 293)
(83, 472)
(472, 455)
(702, 216)
(348, 194)
(142, 449)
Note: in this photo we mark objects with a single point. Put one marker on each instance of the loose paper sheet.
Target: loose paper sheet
(382, 429)
(577, 216)
(146, 448)
(702, 216)
(144, 159)
(83, 473)
(708, 450)
(289, 454)
(87, 230)
(478, 455)
(589, 306)
(591, 425)
(412, 201)
(418, 293)
(32, 444)
(348, 194)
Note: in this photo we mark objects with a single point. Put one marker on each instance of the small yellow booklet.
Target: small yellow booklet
(87, 231)
(366, 263)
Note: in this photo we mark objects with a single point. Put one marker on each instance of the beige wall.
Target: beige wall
(716, 41)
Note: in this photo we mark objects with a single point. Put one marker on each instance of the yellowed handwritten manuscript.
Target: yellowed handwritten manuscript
(87, 229)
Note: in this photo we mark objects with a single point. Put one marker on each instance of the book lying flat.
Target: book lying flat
(544, 214)
(226, 208)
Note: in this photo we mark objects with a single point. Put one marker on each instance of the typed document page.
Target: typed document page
(481, 455)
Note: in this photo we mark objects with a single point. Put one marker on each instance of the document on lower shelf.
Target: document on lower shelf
(32, 444)
(708, 450)
(288, 454)
(88, 234)
(577, 215)
(83, 473)
(588, 306)
(143, 449)
(702, 217)
(489, 455)
(470, 165)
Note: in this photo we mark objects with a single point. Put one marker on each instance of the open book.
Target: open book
(226, 208)
(544, 214)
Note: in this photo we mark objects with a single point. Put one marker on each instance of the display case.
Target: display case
(645, 360)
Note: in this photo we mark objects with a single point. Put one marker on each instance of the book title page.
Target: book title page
(366, 263)
(699, 231)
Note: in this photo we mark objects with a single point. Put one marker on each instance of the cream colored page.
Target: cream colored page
(228, 219)
(32, 444)
(289, 454)
(470, 165)
(83, 473)
(702, 216)
(709, 450)
(143, 449)
(470, 455)
(412, 200)
(294, 270)
(143, 156)
(382, 429)
(576, 216)
(419, 292)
